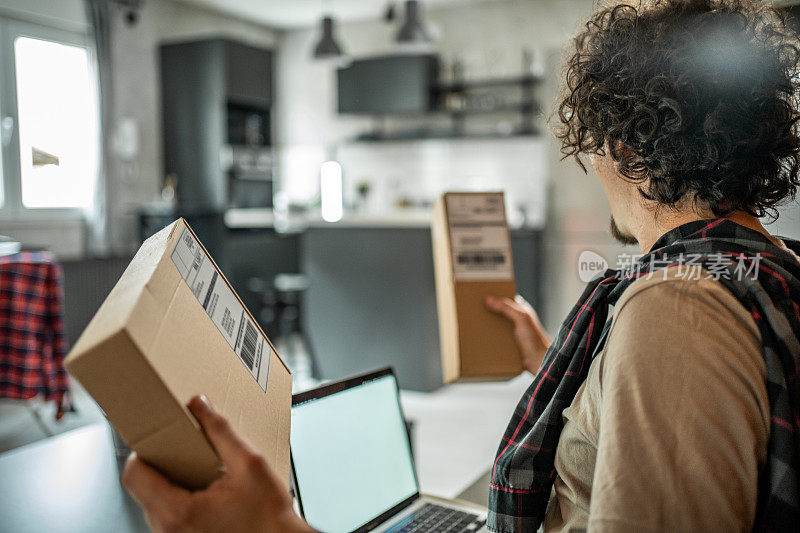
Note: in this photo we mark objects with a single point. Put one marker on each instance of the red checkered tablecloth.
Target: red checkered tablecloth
(32, 341)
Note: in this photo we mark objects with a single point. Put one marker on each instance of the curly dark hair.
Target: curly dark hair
(703, 93)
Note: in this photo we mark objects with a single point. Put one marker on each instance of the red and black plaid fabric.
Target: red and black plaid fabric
(32, 342)
(524, 472)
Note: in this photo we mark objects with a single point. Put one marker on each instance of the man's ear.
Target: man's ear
(620, 152)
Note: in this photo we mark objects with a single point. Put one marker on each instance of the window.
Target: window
(50, 121)
(57, 111)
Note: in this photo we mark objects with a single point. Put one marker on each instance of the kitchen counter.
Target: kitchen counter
(265, 218)
(371, 300)
(398, 218)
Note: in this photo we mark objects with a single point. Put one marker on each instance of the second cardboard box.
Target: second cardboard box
(473, 260)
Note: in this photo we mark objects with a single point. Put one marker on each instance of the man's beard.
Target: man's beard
(619, 236)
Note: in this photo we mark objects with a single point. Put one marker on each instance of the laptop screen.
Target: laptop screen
(351, 455)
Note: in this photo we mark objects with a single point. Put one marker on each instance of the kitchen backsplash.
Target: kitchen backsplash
(380, 177)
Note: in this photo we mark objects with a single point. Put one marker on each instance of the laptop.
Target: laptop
(352, 465)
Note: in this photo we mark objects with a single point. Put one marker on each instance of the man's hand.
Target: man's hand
(248, 496)
(532, 339)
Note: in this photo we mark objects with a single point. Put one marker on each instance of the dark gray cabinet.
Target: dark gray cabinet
(247, 75)
(388, 85)
(213, 92)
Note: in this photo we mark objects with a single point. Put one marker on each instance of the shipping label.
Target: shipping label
(222, 306)
(479, 238)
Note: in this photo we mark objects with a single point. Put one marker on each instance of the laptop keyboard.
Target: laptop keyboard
(431, 518)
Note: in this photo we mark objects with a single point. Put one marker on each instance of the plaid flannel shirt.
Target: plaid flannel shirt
(32, 341)
(523, 472)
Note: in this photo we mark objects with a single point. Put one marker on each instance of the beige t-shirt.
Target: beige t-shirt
(670, 428)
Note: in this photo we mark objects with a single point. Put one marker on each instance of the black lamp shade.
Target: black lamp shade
(413, 31)
(327, 46)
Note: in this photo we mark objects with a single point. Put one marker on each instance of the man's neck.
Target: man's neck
(651, 230)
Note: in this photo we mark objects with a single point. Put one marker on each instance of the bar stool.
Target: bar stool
(280, 316)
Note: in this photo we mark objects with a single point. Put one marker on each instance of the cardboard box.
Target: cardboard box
(172, 328)
(472, 260)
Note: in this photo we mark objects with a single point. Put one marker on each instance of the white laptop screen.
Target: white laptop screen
(351, 455)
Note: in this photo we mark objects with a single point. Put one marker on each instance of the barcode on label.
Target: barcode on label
(223, 307)
(249, 345)
(480, 242)
(481, 258)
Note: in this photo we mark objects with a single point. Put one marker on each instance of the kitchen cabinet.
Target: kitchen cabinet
(216, 101)
(388, 85)
(248, 79)
(371, 301)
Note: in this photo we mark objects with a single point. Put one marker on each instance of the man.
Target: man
(682, 412)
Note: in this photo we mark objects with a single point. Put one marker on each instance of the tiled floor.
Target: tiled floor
(24, 422)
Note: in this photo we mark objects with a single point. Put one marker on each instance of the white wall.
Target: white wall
(64, 14)
(788, 223)
(138, 98)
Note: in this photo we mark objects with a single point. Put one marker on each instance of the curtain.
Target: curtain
(99, 15)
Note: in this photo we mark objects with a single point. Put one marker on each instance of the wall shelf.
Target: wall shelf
(440, 135)
(457, 86)
(461, 100)
(527, 106)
